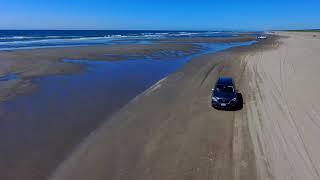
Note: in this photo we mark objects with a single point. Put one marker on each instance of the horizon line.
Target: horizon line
(31, 29)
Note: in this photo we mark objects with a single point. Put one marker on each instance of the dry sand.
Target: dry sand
(283, 107)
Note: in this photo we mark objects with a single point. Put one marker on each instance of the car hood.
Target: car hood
(224, 95)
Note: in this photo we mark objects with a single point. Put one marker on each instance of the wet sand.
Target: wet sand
(31, 63)
(31, 160)
(171, 131)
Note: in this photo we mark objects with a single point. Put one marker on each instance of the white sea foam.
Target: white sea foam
(17, 37)
(52, 40)
(30, 41)
(36, 41)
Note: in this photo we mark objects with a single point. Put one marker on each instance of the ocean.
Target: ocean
(26, 39)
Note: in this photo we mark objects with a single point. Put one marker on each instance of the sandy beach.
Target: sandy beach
(39, 130)
(283, 107)
(171, 132)
(159, 90)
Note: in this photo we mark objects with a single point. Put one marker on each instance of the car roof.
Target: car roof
(225, 80)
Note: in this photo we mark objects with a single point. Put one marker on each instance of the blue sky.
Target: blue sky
(160, 14)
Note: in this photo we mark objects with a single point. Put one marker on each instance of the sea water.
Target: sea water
(29, 39)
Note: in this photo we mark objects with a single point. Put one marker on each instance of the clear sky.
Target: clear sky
(160, 14)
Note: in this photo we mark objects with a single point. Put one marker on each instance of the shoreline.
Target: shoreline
(30, 63)
(99, 149)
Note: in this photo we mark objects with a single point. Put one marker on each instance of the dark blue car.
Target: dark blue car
(224, 94)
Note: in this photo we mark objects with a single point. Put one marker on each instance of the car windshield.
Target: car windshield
(224, 88)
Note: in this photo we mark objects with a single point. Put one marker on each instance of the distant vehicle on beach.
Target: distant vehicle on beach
(224, 94)
(262, 37)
